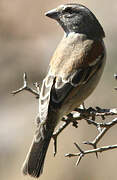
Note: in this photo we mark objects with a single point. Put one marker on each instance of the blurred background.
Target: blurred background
(27, 41)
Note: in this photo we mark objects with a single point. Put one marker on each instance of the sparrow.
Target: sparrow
(74, 72)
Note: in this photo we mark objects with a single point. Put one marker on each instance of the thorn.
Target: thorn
(99, 128)
(79, 159)
(25, 76)
(55, 145)
(96, 155)
(68, 155)
(94, 145)
(77, 146)
(87, 142)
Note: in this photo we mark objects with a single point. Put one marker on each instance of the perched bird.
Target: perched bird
(74, 72)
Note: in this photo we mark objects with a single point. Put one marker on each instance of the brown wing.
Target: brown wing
(61, 89)
(75, 66)
(69, 73)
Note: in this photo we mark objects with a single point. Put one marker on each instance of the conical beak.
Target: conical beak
(52, 13)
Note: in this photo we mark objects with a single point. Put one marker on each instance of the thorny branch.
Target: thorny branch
(27, 88)
(85, 114)
(82, 153)
(77, 115)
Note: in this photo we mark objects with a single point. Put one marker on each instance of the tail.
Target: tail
(33, 165)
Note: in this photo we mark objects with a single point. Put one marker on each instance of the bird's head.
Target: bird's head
(77, 18)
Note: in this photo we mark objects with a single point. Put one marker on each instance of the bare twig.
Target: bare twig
(27, 88)
(90, 112)
(84, 114)
(67, 120)
(82, 153)
(106, 126)
(80, 114)
(57, 132)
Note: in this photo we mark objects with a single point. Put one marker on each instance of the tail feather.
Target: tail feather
(33, 165)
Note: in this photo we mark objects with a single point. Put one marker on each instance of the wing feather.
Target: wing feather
(61, 90)
(66, 74)
(45, 97)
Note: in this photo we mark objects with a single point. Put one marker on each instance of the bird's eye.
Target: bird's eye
(68, 10)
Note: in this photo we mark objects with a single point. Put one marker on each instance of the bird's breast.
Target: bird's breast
(69, 53)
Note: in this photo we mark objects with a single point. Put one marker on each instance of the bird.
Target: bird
(74, 72)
